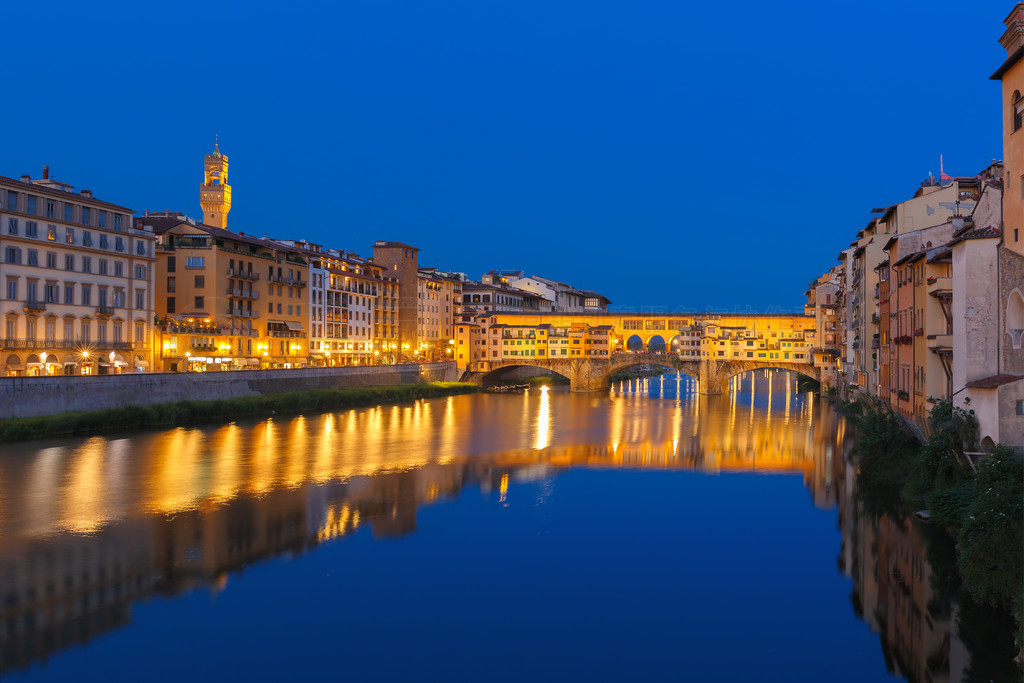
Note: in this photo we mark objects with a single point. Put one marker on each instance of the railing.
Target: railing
(33, 305)
(243, 314)
(243, 274)
(65, 344)
(875, 319)
(242, 294)
(285, 333)
(104, 310)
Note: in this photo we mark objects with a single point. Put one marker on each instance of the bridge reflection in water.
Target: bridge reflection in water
(89, 527)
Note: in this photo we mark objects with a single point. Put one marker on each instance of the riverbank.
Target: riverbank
(182, 413)
(978, 503)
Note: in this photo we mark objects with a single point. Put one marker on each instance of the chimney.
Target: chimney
(46, 172)
(86, 193)
(26, 178)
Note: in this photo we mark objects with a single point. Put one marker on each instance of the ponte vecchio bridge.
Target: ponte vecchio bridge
(589, 348)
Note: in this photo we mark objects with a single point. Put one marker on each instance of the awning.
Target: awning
(249, 361)
(292, 325)
(316, 356)
(34, 365)
(53, 362)
(17, 368)
(142, 363)
(104, 365)
(70, 362)
(120, 364)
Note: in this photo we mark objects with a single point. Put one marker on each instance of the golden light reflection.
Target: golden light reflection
(503, 488)
(543, 420)
(81, 489)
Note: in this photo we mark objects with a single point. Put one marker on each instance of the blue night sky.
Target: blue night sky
(668, 154)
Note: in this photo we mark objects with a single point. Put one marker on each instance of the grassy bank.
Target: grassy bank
(180, 413)
(980, 506)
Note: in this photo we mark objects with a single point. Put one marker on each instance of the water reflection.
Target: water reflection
(89, 527)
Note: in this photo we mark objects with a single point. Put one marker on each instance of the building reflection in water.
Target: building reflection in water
(88, 527)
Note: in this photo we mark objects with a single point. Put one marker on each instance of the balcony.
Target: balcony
(940, 286)
(287, 333)
(66, 344)
(236, 293)
(243, 314)
(243, 274)
(104, 310)
(875, 344)
(875, 319)
(33, 306)
(940, 343)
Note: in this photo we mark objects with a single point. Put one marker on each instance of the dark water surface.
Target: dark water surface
(649, 534)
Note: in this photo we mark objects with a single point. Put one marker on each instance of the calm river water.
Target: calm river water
(648, 534)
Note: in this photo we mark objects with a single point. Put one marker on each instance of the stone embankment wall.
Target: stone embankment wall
(33, 396)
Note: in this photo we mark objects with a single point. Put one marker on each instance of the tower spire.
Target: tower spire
(216, 144)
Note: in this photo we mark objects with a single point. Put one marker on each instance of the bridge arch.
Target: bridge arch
(634, 343)
(656, 344)
(737, 368)
(512, 374)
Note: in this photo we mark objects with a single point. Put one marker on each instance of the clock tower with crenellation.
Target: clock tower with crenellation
(215, 193)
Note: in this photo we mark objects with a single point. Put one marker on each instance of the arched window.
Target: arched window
(1016, 106)
(1015, 317)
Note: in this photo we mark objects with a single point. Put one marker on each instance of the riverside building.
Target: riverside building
(227, 300)
(77, 282)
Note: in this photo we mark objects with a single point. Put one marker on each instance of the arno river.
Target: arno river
(649, 534)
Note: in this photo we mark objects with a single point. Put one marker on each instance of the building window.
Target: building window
(12, 226)
(118, 244)
(171, 264)
(140, 298)
(86, 215)
(51, 233)
(170, 284)
(117, 221)
(200, 303)
(51, 208)
(103, 266)
(140, 272)
(69, 293)
(200, 281)
(31, 229)
(12, 200)
(1016, 108)
(86, 264)
(69, 330)
(171, 305)
(69, 213)
(140, 333)
(118, 268)
(87, 238)
(104, 241)
(194, 262)
(69, 262)
(101, 219)
(12, 289)
(51, 259)
(30, 205)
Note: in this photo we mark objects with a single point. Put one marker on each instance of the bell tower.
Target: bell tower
(215, 193)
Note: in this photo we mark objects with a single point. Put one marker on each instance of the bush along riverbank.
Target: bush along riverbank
(181, 413)
(980, 505)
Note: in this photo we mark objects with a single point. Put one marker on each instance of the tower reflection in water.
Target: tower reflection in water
(88, 527)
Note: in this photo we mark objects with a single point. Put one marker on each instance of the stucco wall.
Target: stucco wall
(32, 396)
